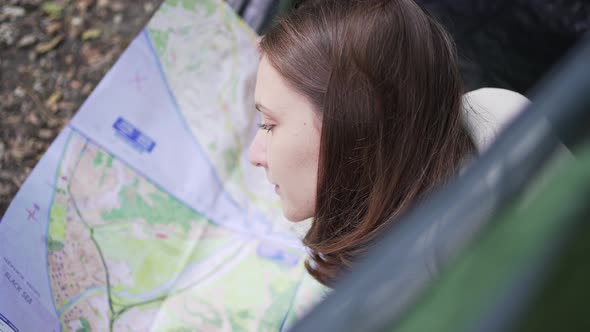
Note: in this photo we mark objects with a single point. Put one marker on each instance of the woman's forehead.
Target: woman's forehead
(276, 98)
(272, 91)
(268, 83)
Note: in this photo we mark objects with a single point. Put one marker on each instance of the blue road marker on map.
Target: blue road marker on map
(5, 324)
(268, 251)
(133, 136)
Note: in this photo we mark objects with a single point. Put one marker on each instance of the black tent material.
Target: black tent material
(511, 43)
(505, 43)
(258, 14)
(382, 288)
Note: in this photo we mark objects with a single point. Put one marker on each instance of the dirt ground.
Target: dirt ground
(52, 55)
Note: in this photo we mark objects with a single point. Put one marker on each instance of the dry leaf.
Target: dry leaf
(91, 34)
(52, 9)
(87, 88)
(27, 40)
(18, 153)
(52, 101)
(13, 12)
(102, 3)
(67, 106)
(53, 27)
(75, 84)
(82, 5)
(54, 122)
(90, 54)
(48, 46)
(46, 133)
(11, 120)
(33, 119)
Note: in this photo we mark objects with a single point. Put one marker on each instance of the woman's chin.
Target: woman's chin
(294, 215)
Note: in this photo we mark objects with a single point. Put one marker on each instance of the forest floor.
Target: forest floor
(52, 55)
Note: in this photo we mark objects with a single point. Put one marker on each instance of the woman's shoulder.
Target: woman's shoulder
(487, 111)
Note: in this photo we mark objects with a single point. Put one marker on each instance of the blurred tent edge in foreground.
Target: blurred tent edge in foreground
(507, 236)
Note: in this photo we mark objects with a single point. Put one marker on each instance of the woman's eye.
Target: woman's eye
(265, 126)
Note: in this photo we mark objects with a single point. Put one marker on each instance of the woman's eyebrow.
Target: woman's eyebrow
(262, 109)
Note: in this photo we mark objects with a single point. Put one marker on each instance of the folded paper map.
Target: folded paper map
(144, 214)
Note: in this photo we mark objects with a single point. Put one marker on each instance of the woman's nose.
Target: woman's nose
(257, 151)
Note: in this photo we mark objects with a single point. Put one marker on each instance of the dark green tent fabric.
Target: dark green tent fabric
(489, 287)
(561, 303)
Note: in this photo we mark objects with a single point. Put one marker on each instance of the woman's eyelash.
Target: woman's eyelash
(265, 126)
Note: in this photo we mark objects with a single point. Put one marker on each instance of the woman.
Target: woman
(360, 104)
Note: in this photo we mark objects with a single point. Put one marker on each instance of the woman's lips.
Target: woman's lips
(277, 189)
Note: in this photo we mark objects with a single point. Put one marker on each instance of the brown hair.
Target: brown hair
(383, 76)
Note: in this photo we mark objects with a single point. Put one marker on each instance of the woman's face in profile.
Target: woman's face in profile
(287, 143)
